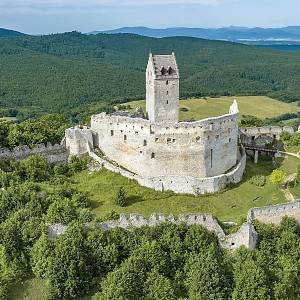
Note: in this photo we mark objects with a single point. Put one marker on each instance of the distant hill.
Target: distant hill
(237, 34)
(9, 33)
(78, 74)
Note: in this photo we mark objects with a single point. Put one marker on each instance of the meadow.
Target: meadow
(260, 106)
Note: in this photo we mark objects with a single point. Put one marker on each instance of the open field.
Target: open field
(259, 106)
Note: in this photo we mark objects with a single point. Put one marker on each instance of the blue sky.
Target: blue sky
(49, 16)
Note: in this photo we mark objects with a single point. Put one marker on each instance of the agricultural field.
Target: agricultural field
(260, 106)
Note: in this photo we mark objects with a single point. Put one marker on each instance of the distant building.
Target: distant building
(159, 151)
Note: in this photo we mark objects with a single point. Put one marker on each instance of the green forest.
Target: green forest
(76, 73)
(161, 263)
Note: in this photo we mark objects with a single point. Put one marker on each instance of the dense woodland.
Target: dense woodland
(44, 130)
(76, 73)
(162, 263)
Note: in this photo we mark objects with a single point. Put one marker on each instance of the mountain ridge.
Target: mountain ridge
(10, 33)
(231, 33)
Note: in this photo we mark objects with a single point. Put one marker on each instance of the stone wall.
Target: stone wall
(54, 153)
(76, 139)
(204, 148)
(180, 184)
(274, 214)
(247, 135)
(246, 236)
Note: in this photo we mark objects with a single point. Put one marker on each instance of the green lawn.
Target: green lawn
(229, 205)
(259, 106)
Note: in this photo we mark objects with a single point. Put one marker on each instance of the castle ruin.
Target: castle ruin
(159, 151)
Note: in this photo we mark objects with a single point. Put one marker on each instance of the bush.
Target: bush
(120, 199)
(277, 177)
(184, 109)
(258, 180)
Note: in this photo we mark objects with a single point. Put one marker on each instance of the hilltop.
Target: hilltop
(9, 33)
(69, 72)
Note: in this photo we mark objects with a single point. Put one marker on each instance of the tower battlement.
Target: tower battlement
(162, 89)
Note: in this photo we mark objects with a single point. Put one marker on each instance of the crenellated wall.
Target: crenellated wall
(54, 153)
(204, 148)
(275, 213)
(249, 134)
(246, 236)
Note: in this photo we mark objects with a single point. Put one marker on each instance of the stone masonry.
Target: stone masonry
(246, 236)
(159, 151)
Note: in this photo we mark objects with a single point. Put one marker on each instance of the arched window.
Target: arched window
(152, 155)
(111, 132)
(125, 138)
(145, 143)
(167, 82)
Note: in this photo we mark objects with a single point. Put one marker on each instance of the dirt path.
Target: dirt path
(287, 193)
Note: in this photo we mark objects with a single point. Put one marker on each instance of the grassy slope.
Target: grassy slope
(231, 204)
(260, 106)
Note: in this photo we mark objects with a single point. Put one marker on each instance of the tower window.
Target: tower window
(167, 82)
(211, 158)
(111, 132)
(167, 101)
(167, 92)
(152, 155)
(125, 138)
(145, 143)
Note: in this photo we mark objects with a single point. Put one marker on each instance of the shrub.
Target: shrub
(277, 177)
(184, 109)
(258, 180)
(120, 199)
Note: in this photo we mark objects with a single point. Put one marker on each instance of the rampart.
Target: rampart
(246, 236)
(180, 184)
(205, 148)
(274, 214)
(54, 153)
(249, 134)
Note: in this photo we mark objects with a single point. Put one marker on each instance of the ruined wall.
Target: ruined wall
(274, 214)
(246, 236)
(76, 139)
(54, 153)
(204, 148)
(180, 184)
(250, 133)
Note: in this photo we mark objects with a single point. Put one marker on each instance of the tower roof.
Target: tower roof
(165, 66)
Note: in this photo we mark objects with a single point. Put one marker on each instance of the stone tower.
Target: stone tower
(162, 89)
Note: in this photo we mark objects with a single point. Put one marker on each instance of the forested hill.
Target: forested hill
(9, 33)
(66, 72)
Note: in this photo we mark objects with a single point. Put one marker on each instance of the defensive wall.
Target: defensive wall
(179, 184)
(54, 153)
(274, 213)
(246, 236)
(200, 149)
(250, 134)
